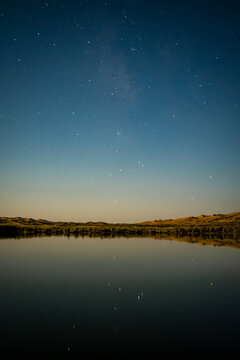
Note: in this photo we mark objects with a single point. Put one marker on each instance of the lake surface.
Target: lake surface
(118, 297)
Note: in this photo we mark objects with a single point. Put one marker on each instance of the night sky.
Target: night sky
(121, 110)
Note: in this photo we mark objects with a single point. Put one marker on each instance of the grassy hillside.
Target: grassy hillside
(232, 219)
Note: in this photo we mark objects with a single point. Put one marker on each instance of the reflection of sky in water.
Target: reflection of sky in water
(118, 295)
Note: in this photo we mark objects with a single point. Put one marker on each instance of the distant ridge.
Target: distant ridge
(31, 221)
(190, 220)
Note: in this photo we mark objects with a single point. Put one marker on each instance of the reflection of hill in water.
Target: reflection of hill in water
(214, 241)
(207, 240)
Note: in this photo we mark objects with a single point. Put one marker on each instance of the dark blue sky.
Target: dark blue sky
(119, 110)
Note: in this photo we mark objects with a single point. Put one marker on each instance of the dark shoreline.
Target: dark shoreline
(206, 227)
(215, 235)
(120, 229)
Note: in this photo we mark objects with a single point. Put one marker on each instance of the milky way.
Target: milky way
(119, 110)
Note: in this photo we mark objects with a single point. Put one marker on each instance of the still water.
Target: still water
(118, 297)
